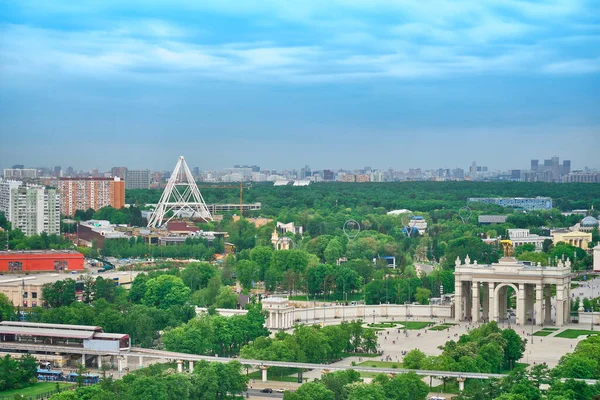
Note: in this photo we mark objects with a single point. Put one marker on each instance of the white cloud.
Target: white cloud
(580, 66)
(332, 41)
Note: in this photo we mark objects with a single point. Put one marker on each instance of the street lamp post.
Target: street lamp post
(406, 319)
(373, 316)
(532, 323)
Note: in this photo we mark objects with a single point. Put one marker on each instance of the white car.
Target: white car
(279, 390)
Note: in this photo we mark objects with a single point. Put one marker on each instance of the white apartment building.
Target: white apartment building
(35, 209)
(6, 188)
(20, 173)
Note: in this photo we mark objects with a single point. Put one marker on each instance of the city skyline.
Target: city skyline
(380, 83)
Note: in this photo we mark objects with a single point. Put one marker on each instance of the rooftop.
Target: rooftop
(19, 252)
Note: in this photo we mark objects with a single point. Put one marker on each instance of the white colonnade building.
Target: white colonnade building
(481, 291)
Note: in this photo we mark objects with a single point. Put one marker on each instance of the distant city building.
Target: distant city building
(362, 178)
(346, 178)
(137, 179)
(550, 171)
(524, 203)
(492, 219)
(35, 209)
(328, 175)
(95, 193)
(6, 194)
(582, 177)
(119, 172)
(20, 173)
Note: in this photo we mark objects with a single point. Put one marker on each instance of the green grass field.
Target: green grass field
(441, 327)
(575, 333)
(380, 364)
(550, 329)
(360, 355)
(542, 333)
(416, 324)
(383, 325)
(38, 388)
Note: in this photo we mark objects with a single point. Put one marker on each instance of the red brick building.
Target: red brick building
(40, 260)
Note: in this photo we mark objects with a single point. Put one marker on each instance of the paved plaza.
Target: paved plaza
(547, 349)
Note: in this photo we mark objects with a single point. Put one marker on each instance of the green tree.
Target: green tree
(262, 256)
(247, 272)
(226, 298)
(310, 390)
(165, 291)
(403, 387)
(413, 359)
(333, 251)
(422, 295)
(196, 275)
(366, 392)
(7, 311)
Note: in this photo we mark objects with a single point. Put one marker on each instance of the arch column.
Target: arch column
(492, 301)
(475, 301)
(485, 296)
(539, 320)
(521, 316)
(458, 300)
(548, 301)
(560, 308)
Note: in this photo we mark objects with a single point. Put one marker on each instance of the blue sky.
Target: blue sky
(400, 84)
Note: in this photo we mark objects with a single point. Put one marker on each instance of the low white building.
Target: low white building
(520, 237)
(597, 258)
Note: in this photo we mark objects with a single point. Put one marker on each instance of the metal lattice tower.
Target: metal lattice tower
(181, 196)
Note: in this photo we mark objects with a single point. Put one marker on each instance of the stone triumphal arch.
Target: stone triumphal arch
(482, 291)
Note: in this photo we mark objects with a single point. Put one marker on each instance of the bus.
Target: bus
(49, 375)
(87, 378)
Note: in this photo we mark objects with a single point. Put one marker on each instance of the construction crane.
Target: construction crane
(241, 187)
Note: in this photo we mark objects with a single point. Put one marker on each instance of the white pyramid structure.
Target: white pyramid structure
(181, 196)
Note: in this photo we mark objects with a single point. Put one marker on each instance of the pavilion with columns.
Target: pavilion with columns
(481, 291)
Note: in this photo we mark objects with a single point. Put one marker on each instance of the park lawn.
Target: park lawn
(441, 327)
(551, 329)
(383, 325)
(38, 388)
(575, 333)
(543, 333)
(416, 324)
(380, 364)
(361, 355)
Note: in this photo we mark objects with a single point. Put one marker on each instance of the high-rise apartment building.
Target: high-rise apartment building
(137, 179)
(550, 171)
(35, 209)
(119, 172)
(20, 173)
(6, 194)
(84, 193)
